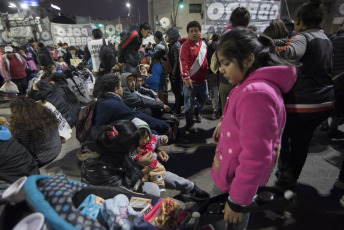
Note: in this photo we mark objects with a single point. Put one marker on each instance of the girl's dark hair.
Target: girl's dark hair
(60, 81)
(143, 132)
(31, 117)
(127, 139)
(239, 43)
(311, 13)
(276, 29)
(215, 37)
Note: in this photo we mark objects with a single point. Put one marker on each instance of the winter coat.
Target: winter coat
(99, 168)
(128, 49)
(251, 130)
(135, 100)
(156, 81)
(193, 61)
(313, 90)
(113, 109)
(44, 57)
(44, 151)
(15, 159)
(5, 64)
(338, 54)
(174, 48)
(56, 96)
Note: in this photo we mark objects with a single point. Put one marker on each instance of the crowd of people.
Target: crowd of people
(271, 91)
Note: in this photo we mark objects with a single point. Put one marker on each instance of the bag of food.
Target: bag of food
(9, 87)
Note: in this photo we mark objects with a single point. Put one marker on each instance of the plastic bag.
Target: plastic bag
(9, 87)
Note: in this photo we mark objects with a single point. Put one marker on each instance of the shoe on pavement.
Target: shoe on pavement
(196, 194)
(198, 118)
(215, 115)
(339, 184)
(285, 181)
(336, 134)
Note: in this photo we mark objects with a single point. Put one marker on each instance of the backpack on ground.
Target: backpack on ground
(172, 119)
(84, 122)
(107, 55)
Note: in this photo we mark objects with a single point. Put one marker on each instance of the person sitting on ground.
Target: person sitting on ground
(105, 160)
(15, 160)
(147, 145)
(137, 101)
(145, 90)
(61, 63)
(110, 107)
(71, 55)
(36, 128)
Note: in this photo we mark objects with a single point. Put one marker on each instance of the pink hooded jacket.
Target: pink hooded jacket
(251, 130)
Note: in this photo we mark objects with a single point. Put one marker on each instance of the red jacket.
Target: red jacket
(193, 61)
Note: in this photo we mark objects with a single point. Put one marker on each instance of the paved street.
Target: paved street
(191, 157)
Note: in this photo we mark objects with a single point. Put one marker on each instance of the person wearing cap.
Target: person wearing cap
(128, 49)
(13, 66)
(138, 102)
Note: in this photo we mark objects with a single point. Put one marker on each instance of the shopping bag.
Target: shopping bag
(9, 87)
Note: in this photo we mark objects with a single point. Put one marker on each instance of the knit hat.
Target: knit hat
(159, 35)
(173, 34)
(140, 124)
(8, 49)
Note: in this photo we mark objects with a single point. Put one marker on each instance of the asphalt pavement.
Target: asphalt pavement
(191, 157)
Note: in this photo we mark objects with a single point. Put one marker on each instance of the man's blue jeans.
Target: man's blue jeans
(194, 100)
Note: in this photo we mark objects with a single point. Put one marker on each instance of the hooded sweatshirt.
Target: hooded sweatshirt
(135, 100)
(174, 49)
(251, 130)
(156, 82)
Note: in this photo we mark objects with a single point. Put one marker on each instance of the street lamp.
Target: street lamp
(12, 5)
(128, 5)
(24, 6)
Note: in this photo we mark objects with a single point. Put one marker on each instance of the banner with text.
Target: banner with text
(218, 13)
(74, 35)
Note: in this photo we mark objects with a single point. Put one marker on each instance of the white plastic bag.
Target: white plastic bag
(9, 87)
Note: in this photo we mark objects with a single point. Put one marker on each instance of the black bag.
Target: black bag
(173, 120)
(44, 58)
(83, 122)
(107, 55)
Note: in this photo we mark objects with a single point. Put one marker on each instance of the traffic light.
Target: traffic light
(181, 4)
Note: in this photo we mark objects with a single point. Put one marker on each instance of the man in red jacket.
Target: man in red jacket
(193, 70)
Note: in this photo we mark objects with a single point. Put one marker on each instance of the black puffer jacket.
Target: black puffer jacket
(338, 54)
(98, 167)
(56, 96)
(15, 161)
(174, 48)
(128, 49)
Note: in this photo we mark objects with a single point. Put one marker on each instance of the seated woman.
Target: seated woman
(106, 160)
(36, 128)
(15, 160)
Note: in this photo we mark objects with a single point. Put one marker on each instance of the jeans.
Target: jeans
(296, 138)
(214, 89)
(194, 100)
(22, 85)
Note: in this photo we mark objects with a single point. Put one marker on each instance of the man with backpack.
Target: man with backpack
(130, 45)
(44, 56)
(13, 65)
(103, 54)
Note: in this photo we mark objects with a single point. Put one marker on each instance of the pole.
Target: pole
(287, 9)
(138, 9)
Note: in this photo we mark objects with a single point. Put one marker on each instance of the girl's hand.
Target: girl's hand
(165, 140)
(216, 134)
(163, 156)
(231, 216)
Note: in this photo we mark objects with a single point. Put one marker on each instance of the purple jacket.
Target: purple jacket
(251, 130)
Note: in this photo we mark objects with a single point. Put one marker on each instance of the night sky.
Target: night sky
(106, 9)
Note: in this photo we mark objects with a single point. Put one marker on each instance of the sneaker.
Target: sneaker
(336, 134)
(198, 118)
(285, 181)
(196, 194)
(339, 184)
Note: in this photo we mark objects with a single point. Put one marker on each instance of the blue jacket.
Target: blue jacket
(156, 81)
(113, 109)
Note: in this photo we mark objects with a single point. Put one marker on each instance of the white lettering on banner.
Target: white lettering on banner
(219, 11)
(74, 35)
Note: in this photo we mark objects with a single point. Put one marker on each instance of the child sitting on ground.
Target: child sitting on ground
(147, 145)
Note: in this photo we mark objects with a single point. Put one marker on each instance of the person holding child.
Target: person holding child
(249, 134)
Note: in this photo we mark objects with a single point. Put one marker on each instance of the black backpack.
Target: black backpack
(44, 58)
(107, 55)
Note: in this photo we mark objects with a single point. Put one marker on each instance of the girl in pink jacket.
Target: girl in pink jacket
(248, 136)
